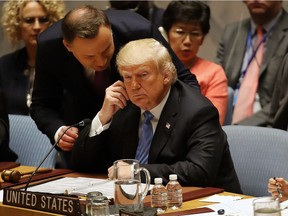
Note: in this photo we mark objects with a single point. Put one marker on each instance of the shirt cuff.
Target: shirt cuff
(57, 133)
(97, 127)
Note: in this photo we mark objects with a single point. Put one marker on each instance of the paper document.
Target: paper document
(221, 198)
(243, 207)
(78, 186)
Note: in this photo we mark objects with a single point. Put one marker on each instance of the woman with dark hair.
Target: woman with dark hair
(186, 23)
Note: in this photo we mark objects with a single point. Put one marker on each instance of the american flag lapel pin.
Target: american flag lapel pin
(168, 125)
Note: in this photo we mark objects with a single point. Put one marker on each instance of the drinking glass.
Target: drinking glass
(266, 206)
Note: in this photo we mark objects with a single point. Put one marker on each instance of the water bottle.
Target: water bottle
(159, 196)
(174, 193)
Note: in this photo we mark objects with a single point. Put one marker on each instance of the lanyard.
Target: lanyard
(248, 45)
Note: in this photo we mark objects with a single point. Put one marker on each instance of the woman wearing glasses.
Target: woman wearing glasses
(186, 24)
(23, 21)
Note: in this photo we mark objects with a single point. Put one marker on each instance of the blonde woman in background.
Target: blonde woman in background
(22, 22)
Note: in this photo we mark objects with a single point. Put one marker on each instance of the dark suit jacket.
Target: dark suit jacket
(188, 141)
(13, 81)
(231, 52)
(156, 15)
(279, 105)
(62, 94)
(6, 154)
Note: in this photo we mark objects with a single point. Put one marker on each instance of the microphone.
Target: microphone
(79, 124)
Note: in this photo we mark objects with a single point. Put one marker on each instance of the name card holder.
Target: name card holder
(58, 204)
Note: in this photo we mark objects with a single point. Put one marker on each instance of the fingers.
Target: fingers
(110, 172)
(67, 141)
(115, 98)
(117, 94)
(275, 186)
(120, 163)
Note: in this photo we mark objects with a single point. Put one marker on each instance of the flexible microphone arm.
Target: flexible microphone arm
(81, 124)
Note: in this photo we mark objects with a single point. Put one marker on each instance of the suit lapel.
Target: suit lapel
(274, 41)
(129, 134)
(239, 51)
(165, 125)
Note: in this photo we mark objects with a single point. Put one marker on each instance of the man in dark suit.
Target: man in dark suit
(235, 42)
(188, 139)
(73, 70)
(278, 117)
(6, 154)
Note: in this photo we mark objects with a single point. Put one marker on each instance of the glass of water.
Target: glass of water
(128, 191)
(100, 206)
(266, 206)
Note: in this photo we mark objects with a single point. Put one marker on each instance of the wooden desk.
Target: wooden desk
(12, 210)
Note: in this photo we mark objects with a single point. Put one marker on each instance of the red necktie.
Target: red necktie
(247, 92)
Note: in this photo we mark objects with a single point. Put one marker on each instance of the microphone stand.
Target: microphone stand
(82, 123)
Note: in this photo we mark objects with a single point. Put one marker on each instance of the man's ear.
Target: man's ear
(67, 45)
(166, 77)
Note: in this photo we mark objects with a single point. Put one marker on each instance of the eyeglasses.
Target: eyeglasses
(32, 20)
(181, 34)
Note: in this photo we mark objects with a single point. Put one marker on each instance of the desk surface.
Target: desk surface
(12, 210)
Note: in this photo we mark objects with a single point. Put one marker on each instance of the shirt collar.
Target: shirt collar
(156, 111)
(268, 26)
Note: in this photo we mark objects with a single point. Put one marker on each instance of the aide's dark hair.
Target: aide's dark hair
(83, 22)
(187, 11)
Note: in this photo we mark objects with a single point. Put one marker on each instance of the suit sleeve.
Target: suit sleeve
(220, 51)
(47, 97)
(90, 154)
(278, 117)
(4, 122)
(260, 118)
(6, 154)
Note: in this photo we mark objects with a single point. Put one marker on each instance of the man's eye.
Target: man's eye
(144, 75)
(127, 77)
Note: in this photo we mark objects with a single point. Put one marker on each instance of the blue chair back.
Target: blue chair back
(258, 154)
(29, 143)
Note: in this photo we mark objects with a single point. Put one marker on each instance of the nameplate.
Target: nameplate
(41, 201)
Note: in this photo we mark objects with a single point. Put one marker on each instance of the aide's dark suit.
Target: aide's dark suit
(231, 52)
(6, 154)
(279, 105)
(13, 81)
(62, 94)
(188, 141)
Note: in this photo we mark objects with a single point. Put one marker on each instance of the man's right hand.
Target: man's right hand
(115, 99)
(66, 143)
(276, 185)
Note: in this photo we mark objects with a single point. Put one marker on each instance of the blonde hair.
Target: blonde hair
(11, 17)
(145, 50)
